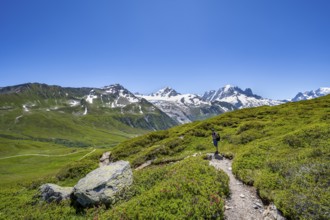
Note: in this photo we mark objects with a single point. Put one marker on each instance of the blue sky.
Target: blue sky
(275, 47)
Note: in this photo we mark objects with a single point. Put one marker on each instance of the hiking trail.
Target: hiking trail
(49, 155)
(243, 203)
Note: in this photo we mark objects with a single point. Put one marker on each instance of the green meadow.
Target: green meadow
(283, 151)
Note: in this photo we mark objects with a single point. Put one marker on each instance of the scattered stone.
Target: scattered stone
(242, 196)
(196, 154)
(105, 159)
(229, 168)
(53, 193)
(272, 213)
(228, 207)
(258, 204)
(103, 185)
(255, 206)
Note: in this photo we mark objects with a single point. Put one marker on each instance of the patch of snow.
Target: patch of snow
(73, 103)
(141, 112)
(324, 90)
(85, 113)
(25, 108)
(17, 118)
(227, 87)
(101, 97)
(182, 99)
(90, 98)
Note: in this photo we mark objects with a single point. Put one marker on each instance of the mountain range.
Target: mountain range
(190, 107)
(160, 110)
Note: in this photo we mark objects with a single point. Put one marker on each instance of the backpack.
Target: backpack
(217, 136)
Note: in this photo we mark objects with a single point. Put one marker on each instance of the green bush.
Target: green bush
(200, 147)
(76, 170)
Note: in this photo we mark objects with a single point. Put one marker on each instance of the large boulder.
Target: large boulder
(53, 193)
(104, 184)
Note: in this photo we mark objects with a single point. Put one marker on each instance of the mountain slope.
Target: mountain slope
(114, 102)
(283, 151)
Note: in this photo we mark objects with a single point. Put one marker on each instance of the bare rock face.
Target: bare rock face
(54, 193)
(105, 159)
(103, 185)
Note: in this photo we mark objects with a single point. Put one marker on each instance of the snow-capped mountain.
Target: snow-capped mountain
(114, 101)
(117, 96)
(238, 97)
(185, 108)
(311, 94)
(165, 92)
(159, 110)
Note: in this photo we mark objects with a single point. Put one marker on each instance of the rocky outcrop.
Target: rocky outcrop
(53, 193)
(103, 185)
(105, 159)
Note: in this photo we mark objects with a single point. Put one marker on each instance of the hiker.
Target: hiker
(216, 138)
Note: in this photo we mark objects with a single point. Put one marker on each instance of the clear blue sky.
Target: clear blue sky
(275, 47)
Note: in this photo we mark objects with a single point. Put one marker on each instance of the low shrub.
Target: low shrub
(189, 189)
(200, 147)
(76, 170)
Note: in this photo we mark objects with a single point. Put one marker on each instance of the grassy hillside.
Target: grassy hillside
(52, 133)
(284, 151)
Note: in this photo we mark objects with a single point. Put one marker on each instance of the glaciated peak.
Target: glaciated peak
(228, 87)
(323, 90)
(166, 92)
(237, 97)
(311, 94)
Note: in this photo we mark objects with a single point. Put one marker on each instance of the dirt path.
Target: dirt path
(243, 202)
(48, 155)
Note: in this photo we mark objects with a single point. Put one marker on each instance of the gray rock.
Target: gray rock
(54, 193)
(104, 184)
(105, 159)
(209, 156)
(272, 213)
